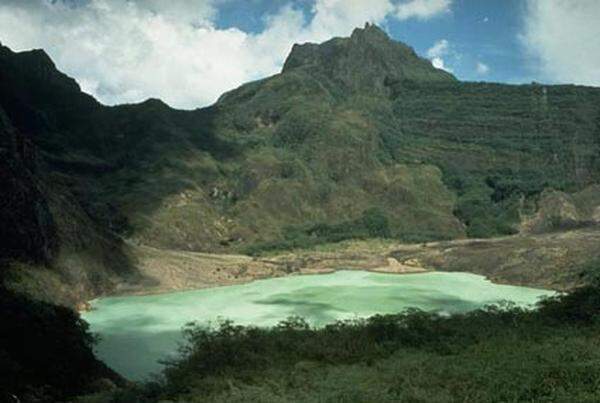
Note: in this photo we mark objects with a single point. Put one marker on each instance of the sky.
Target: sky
(188, 52)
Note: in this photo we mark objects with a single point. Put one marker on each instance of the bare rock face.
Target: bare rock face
(557, 210)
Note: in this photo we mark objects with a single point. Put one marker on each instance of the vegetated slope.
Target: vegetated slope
(500, 146)
(357, 137)
(346, 142)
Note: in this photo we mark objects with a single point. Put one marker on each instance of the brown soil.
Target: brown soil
(549, 261)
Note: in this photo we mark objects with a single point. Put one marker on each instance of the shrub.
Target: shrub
(376, 223)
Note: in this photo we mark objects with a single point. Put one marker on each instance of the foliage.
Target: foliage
(373, 223)
(590, 272)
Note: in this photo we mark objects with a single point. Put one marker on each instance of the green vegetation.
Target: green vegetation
(500, 146)
(590, 271)
(496, 354)
(295, 159)
(373, 223)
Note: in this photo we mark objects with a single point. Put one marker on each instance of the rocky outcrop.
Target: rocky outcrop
(556, 211)
(562, 211)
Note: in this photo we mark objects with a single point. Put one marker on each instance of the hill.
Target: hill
(357, 137)
(352, 130)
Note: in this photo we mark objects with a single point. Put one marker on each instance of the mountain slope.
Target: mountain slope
(45, 226)
(357, 137)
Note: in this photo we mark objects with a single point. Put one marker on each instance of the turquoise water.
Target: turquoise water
(137, 331)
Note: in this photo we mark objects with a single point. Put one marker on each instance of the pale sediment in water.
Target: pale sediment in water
(138, 331)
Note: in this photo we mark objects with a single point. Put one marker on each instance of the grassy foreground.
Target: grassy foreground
(497, 354)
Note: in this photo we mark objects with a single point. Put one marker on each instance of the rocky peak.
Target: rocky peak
(367, 61)
(370, 32)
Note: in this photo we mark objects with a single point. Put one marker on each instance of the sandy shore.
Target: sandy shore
(550, 261)
(169, 270)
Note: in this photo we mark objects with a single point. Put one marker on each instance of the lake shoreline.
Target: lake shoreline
(546, 261)
(125, 292)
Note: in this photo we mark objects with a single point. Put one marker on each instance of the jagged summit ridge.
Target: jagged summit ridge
(370, 30)
(368, 60)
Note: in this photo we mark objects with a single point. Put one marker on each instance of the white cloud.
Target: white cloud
(339, 17)
(437, 52)
(440, 48)
(127, 51)
(422, 9)
(482, 68)
(562, 38)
